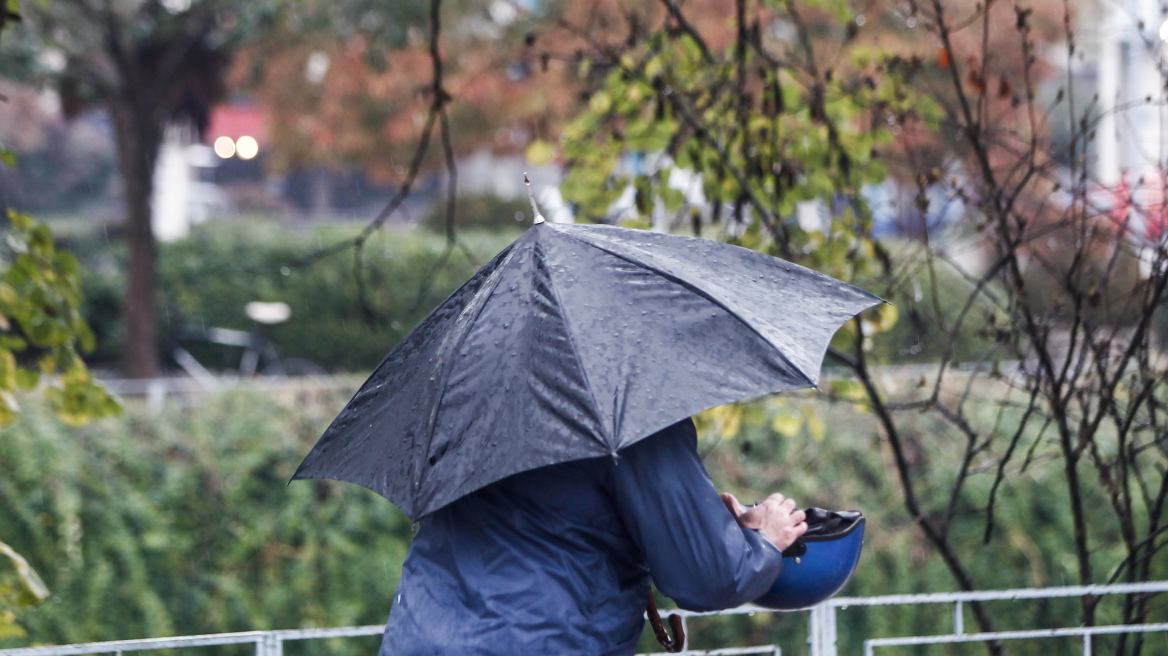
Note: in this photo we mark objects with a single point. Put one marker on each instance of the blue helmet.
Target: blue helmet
(820, 562)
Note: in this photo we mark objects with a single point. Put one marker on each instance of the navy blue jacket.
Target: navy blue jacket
(558, 560)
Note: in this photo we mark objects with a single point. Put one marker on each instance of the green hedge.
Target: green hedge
(181, 522)
(483, 212)
(207, 278)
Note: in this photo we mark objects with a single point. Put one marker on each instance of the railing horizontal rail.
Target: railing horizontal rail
(342, 632)
(140, 644)
(954, 597)
(1069, 632)
(773, 650)
(209, 640)
(1001, 595)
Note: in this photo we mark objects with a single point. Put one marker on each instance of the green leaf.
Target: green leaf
(40, 300)
(815, 425)
(539, 152)
(690, 47)
(600, 102)
(34, 589)
(27, 379)
(653, 67)
(672, 198)
(8, 157)
(787, 423)
(880, 319)
(8, 627)
(12, 343)
(848, 389)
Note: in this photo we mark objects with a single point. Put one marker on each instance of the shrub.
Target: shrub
(182, 522)
(208, 278)
(482, 212)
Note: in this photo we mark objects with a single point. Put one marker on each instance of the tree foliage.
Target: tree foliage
(795, 100)
(348, 83)
(757, 121)
(151, 65)
(20, 587)
(42, 331)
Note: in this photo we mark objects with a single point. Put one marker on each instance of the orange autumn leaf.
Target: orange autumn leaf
(976, 81)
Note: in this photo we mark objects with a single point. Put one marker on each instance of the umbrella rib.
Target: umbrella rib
(576, 355)
(700, 292)
(448, 365)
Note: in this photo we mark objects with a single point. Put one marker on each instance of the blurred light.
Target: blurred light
(268, 313)
(316, 67)
(1164, 31)
(247, 147)
(502, 12)
(224, 147)
(54, 60)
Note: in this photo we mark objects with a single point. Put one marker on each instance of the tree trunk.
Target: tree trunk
(137, 144)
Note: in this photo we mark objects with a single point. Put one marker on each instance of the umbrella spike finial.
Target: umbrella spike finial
(531, 196)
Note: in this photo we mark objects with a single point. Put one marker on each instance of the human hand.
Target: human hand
(776, 518)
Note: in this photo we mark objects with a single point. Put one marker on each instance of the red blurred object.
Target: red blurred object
(1003, 88)
(1140, 207)
(943, 59)
(238, 120)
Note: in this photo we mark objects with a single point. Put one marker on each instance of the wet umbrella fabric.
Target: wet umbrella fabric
(574, 342)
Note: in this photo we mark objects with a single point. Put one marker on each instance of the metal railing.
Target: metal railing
(267, 643)
(958, 599)
(1084, 632)
(271, 643)
(821, 628)
(762, 649)
(822, 636)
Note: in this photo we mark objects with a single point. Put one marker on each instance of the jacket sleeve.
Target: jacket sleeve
(697, 553)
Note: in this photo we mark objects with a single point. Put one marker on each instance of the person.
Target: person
(558, 560)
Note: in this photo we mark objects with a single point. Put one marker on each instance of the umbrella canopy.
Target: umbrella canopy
(575, 342)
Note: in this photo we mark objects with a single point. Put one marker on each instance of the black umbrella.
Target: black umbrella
(574, 342)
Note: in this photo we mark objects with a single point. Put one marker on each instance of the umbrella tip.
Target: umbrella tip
(531, 196)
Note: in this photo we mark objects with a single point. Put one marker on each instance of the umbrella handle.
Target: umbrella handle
(671, 645)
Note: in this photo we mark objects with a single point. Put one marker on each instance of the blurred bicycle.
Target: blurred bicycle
(259, 356)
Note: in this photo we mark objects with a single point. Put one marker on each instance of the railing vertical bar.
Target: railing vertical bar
(829, 624)
(1087, 645)
(813, 637)
(958, 618)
